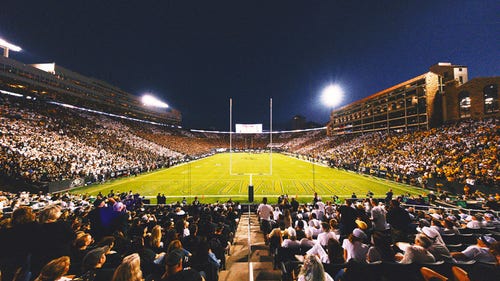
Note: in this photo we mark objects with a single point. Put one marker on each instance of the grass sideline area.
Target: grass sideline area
(210, 179)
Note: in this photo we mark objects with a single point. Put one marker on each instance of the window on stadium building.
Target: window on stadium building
(464, 104)
(490, 99)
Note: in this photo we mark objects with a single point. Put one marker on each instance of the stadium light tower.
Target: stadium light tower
(332, 95)
(6, 46)
(152, 101)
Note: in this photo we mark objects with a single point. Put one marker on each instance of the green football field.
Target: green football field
(225, 176)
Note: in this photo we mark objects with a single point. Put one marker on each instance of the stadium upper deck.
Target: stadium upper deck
(52, 82)
(441, 95)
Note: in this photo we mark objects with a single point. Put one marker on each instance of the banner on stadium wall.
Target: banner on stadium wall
(248, 128)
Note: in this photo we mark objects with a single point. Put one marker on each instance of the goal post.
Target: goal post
(250, 129)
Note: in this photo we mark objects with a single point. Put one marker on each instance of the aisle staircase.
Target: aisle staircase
(260, 267)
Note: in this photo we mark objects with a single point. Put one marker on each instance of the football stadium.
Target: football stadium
(98, 183)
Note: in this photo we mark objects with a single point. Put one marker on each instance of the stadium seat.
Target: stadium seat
(285, 255)
(395, 271)
(429, 274)
(333, 268)
(456, 247)
(363, 271)
(467, 239)
(451, 239)
(460, 274)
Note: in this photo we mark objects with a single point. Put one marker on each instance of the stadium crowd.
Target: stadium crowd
(46, 236)
(466, 152)
(346, 237)
(41, 142)
(43, 236)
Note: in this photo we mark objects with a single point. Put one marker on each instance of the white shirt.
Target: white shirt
(378, 217)
(265, 211)
(323, 237)
(355, 251)
(474, 252)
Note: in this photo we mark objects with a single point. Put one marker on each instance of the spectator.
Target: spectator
(354, 247)
(92, 266)
(381, 249)
(417, 253)
(175, 269)
(399, 219)
(55, 270)
(313, 270)
(478, 252)
(129, 269)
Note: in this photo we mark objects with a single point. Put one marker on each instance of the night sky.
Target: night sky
(195, 55)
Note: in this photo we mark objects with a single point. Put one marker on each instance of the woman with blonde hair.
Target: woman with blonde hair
(312, 270)
(55, 270)
(155, 240)
(129, 269)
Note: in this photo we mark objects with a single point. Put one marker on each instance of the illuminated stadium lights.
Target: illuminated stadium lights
(6, 46)
(149, 100)
(332, 95)
(90, 110)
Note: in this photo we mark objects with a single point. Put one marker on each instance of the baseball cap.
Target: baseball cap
(488, 240)
(429, 232)
(359, 233)
(93, 257)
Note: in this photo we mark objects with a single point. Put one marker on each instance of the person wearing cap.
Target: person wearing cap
(174, 269)
(92, 265)
(354, 247)
(438, 248)
(473, 223)
(291, 241)
(478, 252)
(417, 253)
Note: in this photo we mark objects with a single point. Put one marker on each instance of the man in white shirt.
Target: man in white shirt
(479, 252)
(378, 216)
(265, 212)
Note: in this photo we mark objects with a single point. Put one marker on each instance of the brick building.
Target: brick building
(443, 94)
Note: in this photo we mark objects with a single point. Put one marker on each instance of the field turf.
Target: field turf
(210, 179)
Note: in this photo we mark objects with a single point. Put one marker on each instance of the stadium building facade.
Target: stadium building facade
(51, 82)
(441, 95)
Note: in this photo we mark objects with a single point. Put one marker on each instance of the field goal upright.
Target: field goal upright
(270, 172)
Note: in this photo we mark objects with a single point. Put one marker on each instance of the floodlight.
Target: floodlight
(332, 95)
(149, 100)
(9, 46)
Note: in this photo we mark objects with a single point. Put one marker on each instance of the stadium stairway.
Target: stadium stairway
(237, 265)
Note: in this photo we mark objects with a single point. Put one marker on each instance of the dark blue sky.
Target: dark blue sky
(195, 55)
